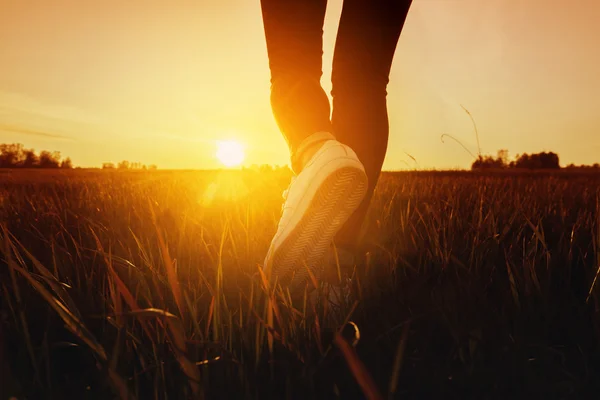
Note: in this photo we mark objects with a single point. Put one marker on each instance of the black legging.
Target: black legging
(366, 41)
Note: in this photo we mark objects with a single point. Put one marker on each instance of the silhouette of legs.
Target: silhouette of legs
(294, 36)
(366, 41)
(367, 37)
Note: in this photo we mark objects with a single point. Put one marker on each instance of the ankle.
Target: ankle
(308, 148)
(309, 153)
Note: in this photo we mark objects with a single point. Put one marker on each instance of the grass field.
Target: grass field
(147, 285)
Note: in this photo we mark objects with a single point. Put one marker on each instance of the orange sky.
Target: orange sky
(159, 81)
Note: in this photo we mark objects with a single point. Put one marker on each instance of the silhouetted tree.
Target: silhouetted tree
(549, 160)
(108, 165)
(30, 160)
(489, 162)
(66, 163)
(503, 157)
(11, 155)
(49, 159)
(123, 165)
(544, 160)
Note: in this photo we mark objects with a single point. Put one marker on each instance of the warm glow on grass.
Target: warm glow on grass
(230, 152)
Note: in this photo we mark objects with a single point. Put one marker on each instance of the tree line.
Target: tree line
(129, 165)
(543, 160)
(17, 156)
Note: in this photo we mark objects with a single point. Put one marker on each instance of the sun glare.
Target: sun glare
(230, 152)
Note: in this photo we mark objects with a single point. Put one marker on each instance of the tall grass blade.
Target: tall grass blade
(178, 341)
(398, 361)
(360, 373)
(20, 307)
(169, 264)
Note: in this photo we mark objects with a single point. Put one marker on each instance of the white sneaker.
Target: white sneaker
(317, 203)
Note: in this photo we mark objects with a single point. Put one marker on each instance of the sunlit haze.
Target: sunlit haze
(161, 82)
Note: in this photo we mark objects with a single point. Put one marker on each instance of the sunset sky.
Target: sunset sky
(160, 81)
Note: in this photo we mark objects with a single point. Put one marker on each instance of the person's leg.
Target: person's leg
(366, 42)
(330, 180)
(294, 37)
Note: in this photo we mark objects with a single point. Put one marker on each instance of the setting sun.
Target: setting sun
(230, 152)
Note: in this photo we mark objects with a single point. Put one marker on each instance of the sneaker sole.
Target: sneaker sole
(336, 199)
